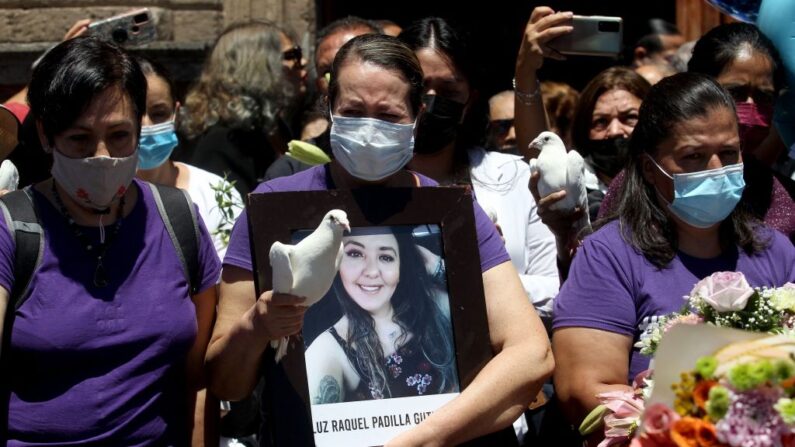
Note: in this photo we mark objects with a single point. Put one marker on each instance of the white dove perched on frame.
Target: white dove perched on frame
(560, 170)
(308, 268)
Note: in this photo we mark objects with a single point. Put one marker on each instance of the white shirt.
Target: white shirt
(200, 184)
(501, 188)
(592, 181)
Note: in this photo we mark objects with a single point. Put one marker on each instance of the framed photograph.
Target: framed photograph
(403, 329)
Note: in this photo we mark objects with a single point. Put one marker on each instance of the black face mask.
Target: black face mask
(438, 125)
(608, 156)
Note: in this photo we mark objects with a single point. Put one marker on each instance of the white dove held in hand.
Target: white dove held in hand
(559, 170)
(308, 268)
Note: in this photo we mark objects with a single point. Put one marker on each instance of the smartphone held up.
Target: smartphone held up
(591, 36)
(131, 28)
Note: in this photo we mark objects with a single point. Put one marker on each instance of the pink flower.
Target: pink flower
(657, 420)
(724, 291)
(622, 419)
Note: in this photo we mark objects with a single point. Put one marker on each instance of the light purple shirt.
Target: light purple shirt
(613, 287)
(103, 366)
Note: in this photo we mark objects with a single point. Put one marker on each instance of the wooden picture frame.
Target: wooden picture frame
(276, 216)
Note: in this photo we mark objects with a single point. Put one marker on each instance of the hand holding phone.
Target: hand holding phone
(591, 36)
(132, 28)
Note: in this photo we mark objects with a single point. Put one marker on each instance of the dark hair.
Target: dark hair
(347, 23)
(414, 311)
(655, 28)
(152, 67)
(718, 48)
(644, 223)
(74, 73)
(453, 44)
(621, 78)
(383, 51)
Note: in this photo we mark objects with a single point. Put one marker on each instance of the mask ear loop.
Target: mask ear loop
(657, 190)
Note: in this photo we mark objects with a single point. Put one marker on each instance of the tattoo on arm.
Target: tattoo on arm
(328, 391)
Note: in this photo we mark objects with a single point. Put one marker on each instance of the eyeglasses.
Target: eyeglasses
(293, 54)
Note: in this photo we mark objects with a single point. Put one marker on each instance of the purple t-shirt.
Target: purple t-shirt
(613, 287)
(103, 366)
(238, 254)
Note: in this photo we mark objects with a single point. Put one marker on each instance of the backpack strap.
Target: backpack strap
(179, 215)
(22, 220)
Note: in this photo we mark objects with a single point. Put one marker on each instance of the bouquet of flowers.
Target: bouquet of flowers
(725, 299)
(742, 396)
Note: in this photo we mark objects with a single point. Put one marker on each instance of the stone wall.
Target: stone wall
(186, 28)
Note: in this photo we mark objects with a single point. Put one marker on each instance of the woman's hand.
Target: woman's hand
(243, 330)
(561, 223)
(78, 29)
(530, 117)
(544, 25)
(278, 315)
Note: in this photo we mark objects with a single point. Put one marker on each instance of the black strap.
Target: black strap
(22, 221)
(179, 215)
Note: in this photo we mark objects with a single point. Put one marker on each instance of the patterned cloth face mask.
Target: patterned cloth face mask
(94, 182)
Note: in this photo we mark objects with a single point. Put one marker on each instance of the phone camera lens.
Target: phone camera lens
(119, 35)
(609, 27)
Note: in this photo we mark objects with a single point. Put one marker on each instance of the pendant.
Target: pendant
(100, 276)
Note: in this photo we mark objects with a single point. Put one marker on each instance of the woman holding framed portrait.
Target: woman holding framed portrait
(375, 99)
(395, 336)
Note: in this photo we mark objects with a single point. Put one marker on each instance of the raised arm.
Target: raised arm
(530, 117)
(243, 329)
(508, 383)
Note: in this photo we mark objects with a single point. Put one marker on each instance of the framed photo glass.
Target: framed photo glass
(403, 328)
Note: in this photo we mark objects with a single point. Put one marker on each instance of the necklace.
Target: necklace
(100, 274)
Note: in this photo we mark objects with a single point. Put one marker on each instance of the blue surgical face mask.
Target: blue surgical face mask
(704, 198)
(157, 143)
(371, 149)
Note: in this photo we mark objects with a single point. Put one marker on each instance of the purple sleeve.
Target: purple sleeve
(209, 264)
(492, 249)
(7, 249)
(238, 252)
(598, 292)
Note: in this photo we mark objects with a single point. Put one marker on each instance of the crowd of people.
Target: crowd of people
(127, 280)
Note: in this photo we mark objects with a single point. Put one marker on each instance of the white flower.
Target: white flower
(724, 291)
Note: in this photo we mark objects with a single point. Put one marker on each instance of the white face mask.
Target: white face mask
(94, 182)
(371, 149)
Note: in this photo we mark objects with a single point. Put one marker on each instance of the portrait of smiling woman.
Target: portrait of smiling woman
(394, 338)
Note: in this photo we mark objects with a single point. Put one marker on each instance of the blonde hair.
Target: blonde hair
(242, 85)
